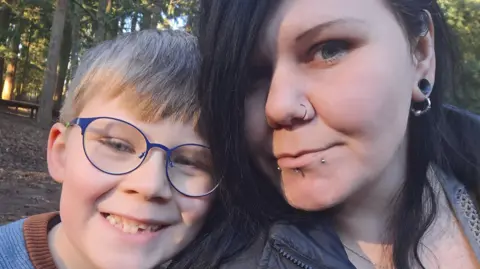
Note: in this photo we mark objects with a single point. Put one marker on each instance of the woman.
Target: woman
(339, 103)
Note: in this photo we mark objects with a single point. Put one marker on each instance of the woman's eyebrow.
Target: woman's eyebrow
(316, 30)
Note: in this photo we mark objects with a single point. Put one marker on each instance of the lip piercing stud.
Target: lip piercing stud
(297, 170)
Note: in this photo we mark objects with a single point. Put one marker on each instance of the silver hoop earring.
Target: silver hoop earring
(426, 108)
(305, 114)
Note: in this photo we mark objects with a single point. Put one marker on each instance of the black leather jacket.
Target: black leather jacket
(295, 246)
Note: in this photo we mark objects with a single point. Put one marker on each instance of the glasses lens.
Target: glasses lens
(114, 146)
(190, 170)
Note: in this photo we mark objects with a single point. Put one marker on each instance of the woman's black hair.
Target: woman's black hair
(246, 204)
(445, 136)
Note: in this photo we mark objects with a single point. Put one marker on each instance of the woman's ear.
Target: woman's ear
(56, 152)
(424, 58)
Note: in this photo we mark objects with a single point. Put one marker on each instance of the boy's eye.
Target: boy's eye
(117, 145)
(182, 160)
(186, 161)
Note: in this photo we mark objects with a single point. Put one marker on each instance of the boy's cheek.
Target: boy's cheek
(83, 181)
(194, 210)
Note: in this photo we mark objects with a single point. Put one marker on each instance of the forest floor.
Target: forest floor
(25, 186)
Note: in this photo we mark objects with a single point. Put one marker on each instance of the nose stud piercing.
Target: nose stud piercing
(305, 114)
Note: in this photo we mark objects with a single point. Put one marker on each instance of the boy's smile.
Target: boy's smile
(132, 220)
(132, 232)
(133, 225)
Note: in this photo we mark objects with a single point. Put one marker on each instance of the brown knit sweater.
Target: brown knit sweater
(35, 230)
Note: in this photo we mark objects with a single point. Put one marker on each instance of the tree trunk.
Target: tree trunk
(133, 26)
(108, 6)
(2, 64)
(77, 14)
(122, 24)
(156, 10)
(9, 83)
(146, 20)
(26, 62)
(5, 14)
(100, 31)
(63, 65)
(44, 117)
(113, 24)
(113, 28)
(4, 25)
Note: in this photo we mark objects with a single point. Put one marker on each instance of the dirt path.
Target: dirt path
(25, 187)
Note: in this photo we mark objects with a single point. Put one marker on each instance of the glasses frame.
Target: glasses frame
(83, 123)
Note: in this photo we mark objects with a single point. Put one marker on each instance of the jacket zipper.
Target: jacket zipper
(285, 253)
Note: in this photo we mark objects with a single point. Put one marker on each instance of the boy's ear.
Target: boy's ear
(56, 152)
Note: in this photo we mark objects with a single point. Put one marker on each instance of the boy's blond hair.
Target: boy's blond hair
(153, 72)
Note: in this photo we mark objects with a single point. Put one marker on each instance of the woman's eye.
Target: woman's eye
(330, 51)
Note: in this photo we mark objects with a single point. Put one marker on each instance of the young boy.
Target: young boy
(135, 174)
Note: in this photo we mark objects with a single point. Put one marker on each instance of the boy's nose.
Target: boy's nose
(150, 179)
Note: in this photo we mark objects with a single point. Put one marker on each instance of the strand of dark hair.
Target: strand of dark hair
(247, 208)
(445, 137)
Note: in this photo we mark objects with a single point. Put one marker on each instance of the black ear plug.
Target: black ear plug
(425, 86)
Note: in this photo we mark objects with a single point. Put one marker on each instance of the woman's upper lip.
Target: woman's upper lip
(302, 158)
(304, 152)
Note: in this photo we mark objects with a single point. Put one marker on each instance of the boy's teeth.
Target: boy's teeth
(130, 226)
(130, 229)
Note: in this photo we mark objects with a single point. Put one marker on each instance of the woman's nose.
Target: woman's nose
(286, 103)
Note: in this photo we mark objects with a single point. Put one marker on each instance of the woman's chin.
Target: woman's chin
(308, 204)
(311, 195)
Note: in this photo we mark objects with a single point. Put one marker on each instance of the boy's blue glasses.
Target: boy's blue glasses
(117, 147)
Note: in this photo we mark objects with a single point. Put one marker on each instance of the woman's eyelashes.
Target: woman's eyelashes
(320, 55)
(328, 52)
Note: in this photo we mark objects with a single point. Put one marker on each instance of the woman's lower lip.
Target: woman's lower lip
(300, 161)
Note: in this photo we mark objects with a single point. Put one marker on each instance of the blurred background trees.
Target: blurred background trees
(41, 41)
(464, 17)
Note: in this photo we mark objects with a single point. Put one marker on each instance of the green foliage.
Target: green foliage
(35, 17)
(464, 17)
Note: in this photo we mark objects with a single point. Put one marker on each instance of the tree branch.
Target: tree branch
(93, 16)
